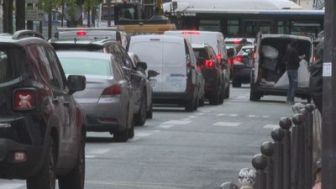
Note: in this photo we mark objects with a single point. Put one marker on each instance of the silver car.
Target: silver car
(106, 99)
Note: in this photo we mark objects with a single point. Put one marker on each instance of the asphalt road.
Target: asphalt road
(179, 150)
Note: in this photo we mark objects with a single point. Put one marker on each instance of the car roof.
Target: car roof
(289, 36)
(194, 45)
(84, 54)
(165, 38)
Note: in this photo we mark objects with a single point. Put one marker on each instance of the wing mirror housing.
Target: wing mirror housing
(76, 83)
(152, 73)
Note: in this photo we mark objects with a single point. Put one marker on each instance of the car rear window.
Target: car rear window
(86, 66)
(200, 53)
(152, 55)
(10, 63)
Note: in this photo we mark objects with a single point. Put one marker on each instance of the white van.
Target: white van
(172, 57)
(269, 76)
(216, 41)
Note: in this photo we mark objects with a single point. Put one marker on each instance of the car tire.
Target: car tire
(214, 99)
(46, 177)
(189, 105)
(123, 134)
(236, 83)
(227, 92)
(222, 95)
(75, 179)
(140, 117)
(254, 94)
(150, 112)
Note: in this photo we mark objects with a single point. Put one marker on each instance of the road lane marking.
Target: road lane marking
(221, 115)
(252, 116)
(142, 134)
(11, 185)
(99, 151)
(164, 126)
(233, 115)
(176, 122)
(265, 116)
(87, 156)
(227, 124)
(271, 126)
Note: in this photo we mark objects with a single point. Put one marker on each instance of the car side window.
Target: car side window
(127, 60)
(46, 67)
(56, 67)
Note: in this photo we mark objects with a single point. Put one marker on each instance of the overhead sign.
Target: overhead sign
(34, 14)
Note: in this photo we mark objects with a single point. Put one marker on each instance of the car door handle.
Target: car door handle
(55, 100)
(66, 103)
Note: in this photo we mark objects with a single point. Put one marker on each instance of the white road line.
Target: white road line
(142, 134)
(191, 117)
(265, 116)
(11, 185)
(176, 122)
(233, 115)
(199, 114)
(99, 151)
(227, 124)
(252, 116)
(87, 156)
(220, 115)
(164, 126)
(271, 126)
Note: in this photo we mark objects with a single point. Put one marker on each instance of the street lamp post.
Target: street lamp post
(329, 99)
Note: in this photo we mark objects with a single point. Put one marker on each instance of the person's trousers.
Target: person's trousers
(293, 83)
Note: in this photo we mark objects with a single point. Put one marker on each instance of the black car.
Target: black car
(211, 71)
(242, 66)
(138, 80)
(41, 127)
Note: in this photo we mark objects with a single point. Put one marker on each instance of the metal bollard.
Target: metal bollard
(308, 146)
(297, 165)
(285, 123)
(259, 162)
(246, 178)
(267, 150)
(277, 136)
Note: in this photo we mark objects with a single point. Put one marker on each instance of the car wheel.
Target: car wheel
(75, 179)
(150, 112)
(46, 177)
(122, 134)
(214, 99)
(189, 105)
(227, 92)
(130, 127)
(236, 83)
(254, 94)
(222, 95)
(140, 117)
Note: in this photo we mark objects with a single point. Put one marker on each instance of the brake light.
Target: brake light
(209, 63)
(24, 99)
(112, 90)
(238, 59)
(219, 57)
(81, 33)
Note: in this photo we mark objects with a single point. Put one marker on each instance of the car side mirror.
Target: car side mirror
(76, 83)
(152, 73)
(141, 65)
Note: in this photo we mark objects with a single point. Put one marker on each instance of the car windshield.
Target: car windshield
(245, 51)
(86, 66)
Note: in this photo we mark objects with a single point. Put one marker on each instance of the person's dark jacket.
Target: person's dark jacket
(316, 79)
(291, 58)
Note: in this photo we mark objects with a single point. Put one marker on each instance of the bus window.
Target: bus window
(309, 29)
(283, 27)
(233, 27)
(252, 27)
(209, 25)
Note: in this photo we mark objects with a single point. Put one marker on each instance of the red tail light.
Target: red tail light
(219, 57)
(238, 59)
(81, 33)
(209, 63)
(112, 90)
(24, 99)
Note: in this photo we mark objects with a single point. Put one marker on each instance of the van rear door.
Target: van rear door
(174, 73)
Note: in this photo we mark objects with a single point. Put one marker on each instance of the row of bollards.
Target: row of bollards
(287, 161)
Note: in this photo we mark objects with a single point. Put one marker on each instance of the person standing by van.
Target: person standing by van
(292, 62)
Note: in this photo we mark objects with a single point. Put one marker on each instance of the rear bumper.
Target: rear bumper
(9, 168)
(170, 98)
(241, 73)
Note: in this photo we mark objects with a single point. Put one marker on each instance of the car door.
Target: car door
(67, 109)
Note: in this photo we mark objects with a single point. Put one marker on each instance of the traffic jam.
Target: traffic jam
(105, 80)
